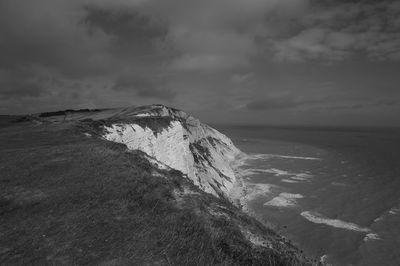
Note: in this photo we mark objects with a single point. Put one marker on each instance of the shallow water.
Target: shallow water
(334, 192)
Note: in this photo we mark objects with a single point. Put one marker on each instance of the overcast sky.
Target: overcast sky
(321, 62)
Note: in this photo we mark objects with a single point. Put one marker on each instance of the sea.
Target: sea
(333, 192)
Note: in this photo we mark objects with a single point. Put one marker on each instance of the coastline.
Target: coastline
(238, 191)
(340, 179)
(243, 192)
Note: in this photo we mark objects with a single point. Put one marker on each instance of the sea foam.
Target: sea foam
(371, 236)
(266, 156)
(320, 219)
(394, 210)
(286, 180)
(284, 200)
(275, 172)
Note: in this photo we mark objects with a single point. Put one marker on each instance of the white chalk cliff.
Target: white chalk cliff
(179, 141)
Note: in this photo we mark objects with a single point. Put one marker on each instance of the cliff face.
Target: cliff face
(179, 141)
(130, 203)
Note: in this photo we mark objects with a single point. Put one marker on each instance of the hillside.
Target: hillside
(70, 196)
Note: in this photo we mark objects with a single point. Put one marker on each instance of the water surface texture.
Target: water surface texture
(334, 192)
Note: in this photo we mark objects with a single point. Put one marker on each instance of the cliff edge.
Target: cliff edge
(132, 186)
(179, 141)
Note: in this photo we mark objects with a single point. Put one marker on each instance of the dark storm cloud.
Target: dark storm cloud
(336, 30)
(272, 103)
(144, 87)
(21, 90)
(288, 102)
(75, 38)
(131, 29)
(358, 106)
(323, 102)
(46, 34)
(12, 86)
(202, 55)
(158, 93)
(74, 42)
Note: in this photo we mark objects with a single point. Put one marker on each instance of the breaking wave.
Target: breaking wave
(267, 156)
(286, 180)
(284, 200)
(275, 172)
(371, 236)
(320, 219)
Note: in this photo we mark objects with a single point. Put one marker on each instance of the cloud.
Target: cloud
(143, 87)
(74, 42)
(32, 86)
(208, 62)
(211, 49)
(216, 35)
(340, 103)
(22, 90)
(308, 44)
(198, 54)
(241, 77)
(335, 31)
(46, 33)
(131, 29)
(76, 38)
(274, 103)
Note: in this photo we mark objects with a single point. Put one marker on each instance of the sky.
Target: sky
(270, 62)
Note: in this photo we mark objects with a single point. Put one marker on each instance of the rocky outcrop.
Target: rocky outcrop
(179, 141)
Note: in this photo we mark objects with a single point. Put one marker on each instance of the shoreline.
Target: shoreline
(238, 192)
(243, 192)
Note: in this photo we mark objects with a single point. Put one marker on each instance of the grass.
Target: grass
(156, 124)
(67, 199)
(65, 112)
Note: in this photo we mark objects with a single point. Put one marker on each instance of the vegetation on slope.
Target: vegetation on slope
(68, 111)
(69, 199)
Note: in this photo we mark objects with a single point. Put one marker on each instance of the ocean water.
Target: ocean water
(334, 192)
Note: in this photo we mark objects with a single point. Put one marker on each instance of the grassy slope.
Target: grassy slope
(69, 199)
